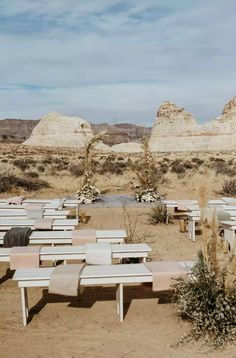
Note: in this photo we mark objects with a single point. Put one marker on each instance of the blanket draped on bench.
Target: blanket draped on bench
(163, 272)
(43, 224)
(24, 256)
(17, 236)
(65, 279)
(82, 237)
(98, 254)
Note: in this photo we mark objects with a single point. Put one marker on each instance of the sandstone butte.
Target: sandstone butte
(174, 130)
(60, 131)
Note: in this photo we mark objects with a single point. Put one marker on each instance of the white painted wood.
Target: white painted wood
(24, 305)
(118, 275)
(79, 252)
(58, 224)
(65, 237)
(229, 235)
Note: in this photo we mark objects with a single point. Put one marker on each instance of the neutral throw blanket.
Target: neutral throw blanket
(57, 202)
(98, 254)
(43, 224)
(82, 237)
(223, 215)
(17, 236)
(34, 214)
(24, 256)
(15, 200)
(183, 205)
(33, 207)
(163, 272)
(65, 279)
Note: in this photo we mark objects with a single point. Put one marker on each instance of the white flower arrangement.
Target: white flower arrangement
(148, 195)
(88, 193)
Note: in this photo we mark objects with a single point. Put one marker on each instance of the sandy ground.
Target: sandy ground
(88, 326)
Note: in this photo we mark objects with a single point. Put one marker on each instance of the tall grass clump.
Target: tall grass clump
(207, 298)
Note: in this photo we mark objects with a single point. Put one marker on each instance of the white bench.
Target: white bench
(22, 214)
(229, 228)
(118, 275)
(65, 237)
(64, 224)
(229, 201)
(31, 201)
(47, 206)
(79, 252)
(194, 217)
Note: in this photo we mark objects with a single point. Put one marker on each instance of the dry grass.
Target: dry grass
(114, 172)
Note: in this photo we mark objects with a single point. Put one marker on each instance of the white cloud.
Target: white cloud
(103, 64)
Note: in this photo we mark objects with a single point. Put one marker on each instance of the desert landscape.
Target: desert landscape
(64, 327)
(117, 179)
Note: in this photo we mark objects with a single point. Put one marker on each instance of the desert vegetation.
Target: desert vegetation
(64, 169)
(207, 298)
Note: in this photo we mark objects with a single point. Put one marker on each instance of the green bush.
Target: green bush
(9, 182)
(158, 215)
(205, 300)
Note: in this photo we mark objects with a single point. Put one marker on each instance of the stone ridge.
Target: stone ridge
(57, 130)
(176, 130)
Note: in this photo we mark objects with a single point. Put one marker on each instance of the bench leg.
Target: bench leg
(120, 303)
(229, 235)
(24, 304)
(191, 229)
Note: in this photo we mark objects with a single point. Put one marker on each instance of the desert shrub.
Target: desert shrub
(229, 187)
(9, 182)
(59, 163)
(47, 160)
(134, 235)
(221, 167)
(207, 297)
(197, 161)
(158, 215)
(32, 175)
(112, 167)
(4, 160)
(41, 168)
(163, 168)
(188, 165)
(205, 301)
(178, 167)
(76, 169)
(120, 158)
(219, 160)
(22, 164)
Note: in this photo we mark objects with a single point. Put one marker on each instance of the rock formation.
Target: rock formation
(176, 130)
(60, 131)
(16, 130)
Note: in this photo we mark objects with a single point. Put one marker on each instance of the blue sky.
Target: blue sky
(116, 61)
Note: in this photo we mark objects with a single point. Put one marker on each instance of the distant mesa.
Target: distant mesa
(57, 130)
(176, 130)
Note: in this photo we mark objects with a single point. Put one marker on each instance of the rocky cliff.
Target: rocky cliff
(176, 130)
(60, 131)
(16, 130)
